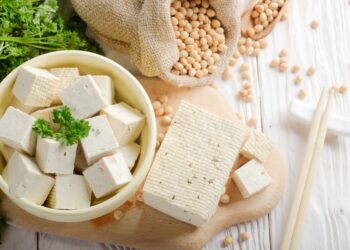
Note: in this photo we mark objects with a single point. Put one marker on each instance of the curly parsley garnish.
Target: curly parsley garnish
(69, 131)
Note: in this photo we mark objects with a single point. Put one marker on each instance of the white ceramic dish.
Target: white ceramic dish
(128, 89)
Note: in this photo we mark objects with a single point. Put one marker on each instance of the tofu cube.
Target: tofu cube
(258, 146)
(19, 105)
(83, 97)
(130, 153)
(80, 161)
(107, 88)
(25, 180)
(127, 122)
(107, 175)
(193, 165)
(16, 130)
(35, 87)
(101, 141)
(251, 178)
(67, 76)
(70, 192)
(54, 158)
(7, 152)
(47, 115)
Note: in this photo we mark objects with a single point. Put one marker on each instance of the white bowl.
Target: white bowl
(128, 89)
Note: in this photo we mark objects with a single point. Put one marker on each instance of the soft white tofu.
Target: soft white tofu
(7, 152)
(16, 130)
(251, 178)
(83, 97)
(193, 165)
(258, 146)
(127, 122)
(25, 180)
(80, 161)
(70, 192)
(130, 153)
(108, 175)
(19, 105)
(35, 87)
(67, 76)
(54, 158)
(107, 88)
(101, 141)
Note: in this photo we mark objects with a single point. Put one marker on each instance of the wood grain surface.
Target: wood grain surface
(144, 227)
(327, 224)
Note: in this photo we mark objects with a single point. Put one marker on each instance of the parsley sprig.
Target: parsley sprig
(69, 130)
(32, 27)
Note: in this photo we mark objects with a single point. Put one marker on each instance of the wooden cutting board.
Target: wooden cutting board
(144, 227)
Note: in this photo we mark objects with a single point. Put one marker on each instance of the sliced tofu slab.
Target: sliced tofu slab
(35, 87)
(251, 178)
(193, 164)
(108, 175)
(101, 141)
(54, 158)
(258, 146)
(130, 153)
(70, 192)
(127, 122)
(107, 88)
(83, 97)
(25, 180)
(16, 130)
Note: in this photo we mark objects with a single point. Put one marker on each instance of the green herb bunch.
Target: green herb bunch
(69, 131)
(31, 27)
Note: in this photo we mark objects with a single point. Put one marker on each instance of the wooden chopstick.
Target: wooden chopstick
(315, 141)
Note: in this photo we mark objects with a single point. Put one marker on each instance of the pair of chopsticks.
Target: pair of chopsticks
(308, 172)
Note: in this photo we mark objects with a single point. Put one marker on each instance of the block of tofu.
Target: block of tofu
(107, 175)
(107, 88)
(251, 178)
(193, 165)
(101, 141)
(70, 192)
(54, 158)
(25, 180)
(16, 130)
(7, 152)
(83, 97)
(130, 153)
(35, 87)
(67, 76)
(127, 122)
(258, 146)
(19, 105)
(80, 161)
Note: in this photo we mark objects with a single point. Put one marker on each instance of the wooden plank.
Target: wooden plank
(16, 238)
(327, 222)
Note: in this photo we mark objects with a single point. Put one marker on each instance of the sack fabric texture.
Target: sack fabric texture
(143, 29)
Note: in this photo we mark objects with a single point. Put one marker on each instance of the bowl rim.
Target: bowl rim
(119, 198)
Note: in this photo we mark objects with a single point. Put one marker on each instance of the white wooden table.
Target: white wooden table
(327, 224)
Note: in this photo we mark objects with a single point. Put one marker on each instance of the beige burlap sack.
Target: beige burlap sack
(143, 29)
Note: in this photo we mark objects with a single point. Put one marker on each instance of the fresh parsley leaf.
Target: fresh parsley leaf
(69, 131)
(31, 27)
(42, 128)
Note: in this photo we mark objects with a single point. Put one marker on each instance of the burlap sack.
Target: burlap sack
(143, 30)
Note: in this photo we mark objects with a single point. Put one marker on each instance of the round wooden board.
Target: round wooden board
(144, 227)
